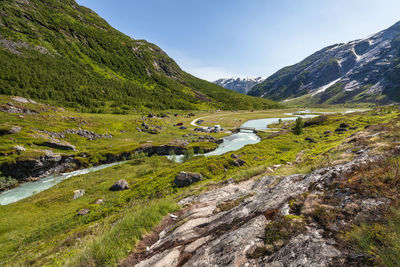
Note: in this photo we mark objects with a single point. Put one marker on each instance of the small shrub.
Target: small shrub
(7, 182)
(298, 128)
(189, 153)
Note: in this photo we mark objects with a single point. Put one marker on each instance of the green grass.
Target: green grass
(44, 229)
(115, 243)
(381, 240)
(248, 173)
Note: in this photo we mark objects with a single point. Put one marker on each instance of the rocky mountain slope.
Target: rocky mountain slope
(60, 52)
(365, 70)
(240, 85)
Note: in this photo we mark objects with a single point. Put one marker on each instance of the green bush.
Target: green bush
(7, 182)
(298, 128)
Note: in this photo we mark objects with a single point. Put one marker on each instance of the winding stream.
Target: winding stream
(32, 188)
(231, 143)
(238, 140)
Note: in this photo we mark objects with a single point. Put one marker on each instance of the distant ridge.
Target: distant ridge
(365, 70)
(240, 85)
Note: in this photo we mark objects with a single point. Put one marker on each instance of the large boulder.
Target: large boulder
(120, 185)
(238, 162)
(78, 193)
(187, 178)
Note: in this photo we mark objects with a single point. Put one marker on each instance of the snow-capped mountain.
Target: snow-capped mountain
(241, 85)
(365, 70)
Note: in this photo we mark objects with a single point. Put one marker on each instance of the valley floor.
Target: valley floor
(52, 228)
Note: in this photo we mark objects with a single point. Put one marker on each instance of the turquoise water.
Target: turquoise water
(238, 140)
(32, 188)
(231, 143)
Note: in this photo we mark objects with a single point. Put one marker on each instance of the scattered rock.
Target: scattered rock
(310, 140)
(19, 148)
(89, 135)
(344, 125)
(340, 130)
(12, 130)
(120, 186)
(15, 129)
(234, 156)
(238, 162)
(276, 166)
(315, 121)
(99, 201)
(179, 142)
(16, 110)
(79, 193)
(187, 178)
(327, 132)
(201, 237)
(83, 212)
(145, 126)
(153, 131)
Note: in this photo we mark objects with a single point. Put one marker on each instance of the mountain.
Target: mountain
(240, 85)
(365, 70)
(59, 52)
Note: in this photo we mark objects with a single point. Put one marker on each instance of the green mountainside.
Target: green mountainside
(60, 52)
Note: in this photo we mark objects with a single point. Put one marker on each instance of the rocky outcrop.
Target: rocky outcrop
(120, 185)
(11, 108)
(12, 130)
(165, 150)
(23, 100)
(25, 168)
(187, 178)
(57, 145)
(238, 162)
(228, 226)
(89, 135)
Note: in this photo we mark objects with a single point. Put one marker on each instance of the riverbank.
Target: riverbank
(40, 140)
(78, 238)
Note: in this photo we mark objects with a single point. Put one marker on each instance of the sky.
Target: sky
(214, 39)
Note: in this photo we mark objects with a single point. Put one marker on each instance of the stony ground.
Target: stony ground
(270, 221)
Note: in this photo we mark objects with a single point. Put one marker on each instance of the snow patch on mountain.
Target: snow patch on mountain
(369, 65)
(240, 84)
(323, 88)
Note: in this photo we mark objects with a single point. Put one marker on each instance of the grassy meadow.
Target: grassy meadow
(46, 230)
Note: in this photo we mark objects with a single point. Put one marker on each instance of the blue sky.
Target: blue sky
(222, 38)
